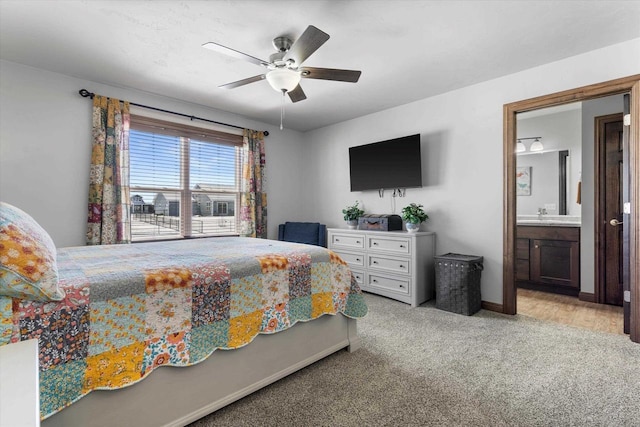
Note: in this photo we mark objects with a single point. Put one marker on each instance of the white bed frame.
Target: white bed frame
(176, 396)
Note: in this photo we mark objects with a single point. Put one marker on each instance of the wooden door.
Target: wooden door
(610, 230)
(626, 201)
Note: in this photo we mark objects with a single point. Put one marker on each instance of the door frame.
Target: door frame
(630, 85)
(601, 221)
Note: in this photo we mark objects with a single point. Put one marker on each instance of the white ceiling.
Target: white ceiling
(407, 50)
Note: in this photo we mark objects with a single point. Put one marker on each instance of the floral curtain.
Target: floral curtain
(109, 219)
(253, 199)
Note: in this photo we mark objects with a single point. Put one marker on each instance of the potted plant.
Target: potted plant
(351, 215)
(414, 215)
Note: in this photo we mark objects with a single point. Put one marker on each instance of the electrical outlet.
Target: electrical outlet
(550, 206)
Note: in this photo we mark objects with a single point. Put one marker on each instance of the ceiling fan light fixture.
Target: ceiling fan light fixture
(283, 79)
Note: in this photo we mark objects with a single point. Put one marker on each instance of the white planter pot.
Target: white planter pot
(411, 227)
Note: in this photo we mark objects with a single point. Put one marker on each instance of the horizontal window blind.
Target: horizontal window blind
(155, 160)
(147, 124)
(184, 182)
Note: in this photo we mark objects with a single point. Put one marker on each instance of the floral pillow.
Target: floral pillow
(28, 268)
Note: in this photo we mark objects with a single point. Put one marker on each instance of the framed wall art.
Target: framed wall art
(523, 181)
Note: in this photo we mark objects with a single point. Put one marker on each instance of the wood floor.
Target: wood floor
(570, 311)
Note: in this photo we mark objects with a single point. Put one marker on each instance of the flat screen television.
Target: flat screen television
(395, 163)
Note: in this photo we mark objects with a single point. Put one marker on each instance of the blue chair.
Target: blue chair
(311, 233)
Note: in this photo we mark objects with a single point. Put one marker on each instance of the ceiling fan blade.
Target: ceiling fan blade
(297, 94)
(236, 54)
(243, 82)
(307, 43)
(350, 76)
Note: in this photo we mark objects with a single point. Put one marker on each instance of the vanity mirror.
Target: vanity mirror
(547, 176)
(550, 152)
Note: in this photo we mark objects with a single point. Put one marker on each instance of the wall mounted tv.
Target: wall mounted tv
(395, 163)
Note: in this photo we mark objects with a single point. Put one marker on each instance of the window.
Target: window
(179, 176)
(222, 208)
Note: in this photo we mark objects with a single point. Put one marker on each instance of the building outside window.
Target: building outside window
(222, 208)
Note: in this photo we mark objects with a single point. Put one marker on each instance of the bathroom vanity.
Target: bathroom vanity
(548, 255)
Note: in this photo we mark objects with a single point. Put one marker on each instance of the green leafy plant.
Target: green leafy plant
(414, 214)
(353, 212)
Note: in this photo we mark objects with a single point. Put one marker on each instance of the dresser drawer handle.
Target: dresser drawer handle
(402, 286)
(401, 266)
(358, 259)
(375, 243)
(402, 246)
(337, 240)
(374, 281)
(375, 262)
(358, 241)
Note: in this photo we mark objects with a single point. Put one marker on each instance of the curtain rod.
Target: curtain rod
(86, 94)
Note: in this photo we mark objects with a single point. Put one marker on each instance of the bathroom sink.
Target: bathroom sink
(548, 222)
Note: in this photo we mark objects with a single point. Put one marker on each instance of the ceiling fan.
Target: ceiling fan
(285, 68)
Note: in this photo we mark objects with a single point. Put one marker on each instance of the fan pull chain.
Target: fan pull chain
(282, 108)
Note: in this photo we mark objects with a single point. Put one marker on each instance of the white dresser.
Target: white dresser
(395, 264)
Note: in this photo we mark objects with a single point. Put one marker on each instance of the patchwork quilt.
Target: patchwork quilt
(130, 309)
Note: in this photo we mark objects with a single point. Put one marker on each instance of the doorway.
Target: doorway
(553, 282)
(624, 85)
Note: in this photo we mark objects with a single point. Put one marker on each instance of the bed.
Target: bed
(164, 333)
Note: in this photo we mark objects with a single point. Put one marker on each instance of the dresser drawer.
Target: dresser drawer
(393, 265)
(395, 284)
(353, 259)
(347, 241)
(398, 245)
(359, 276)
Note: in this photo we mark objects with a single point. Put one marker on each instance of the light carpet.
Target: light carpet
(426, 367)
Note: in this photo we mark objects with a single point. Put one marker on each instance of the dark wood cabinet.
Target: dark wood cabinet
(522, 259)
(548, 258)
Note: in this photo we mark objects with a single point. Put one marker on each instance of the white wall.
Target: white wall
(45, 149)
(462, 154)
(559, 131)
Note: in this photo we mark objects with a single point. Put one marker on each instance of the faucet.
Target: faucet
(541, 211)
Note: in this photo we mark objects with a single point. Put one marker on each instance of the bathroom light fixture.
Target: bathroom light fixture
(536, 145)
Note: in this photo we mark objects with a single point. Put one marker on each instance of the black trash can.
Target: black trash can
(458, 283)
